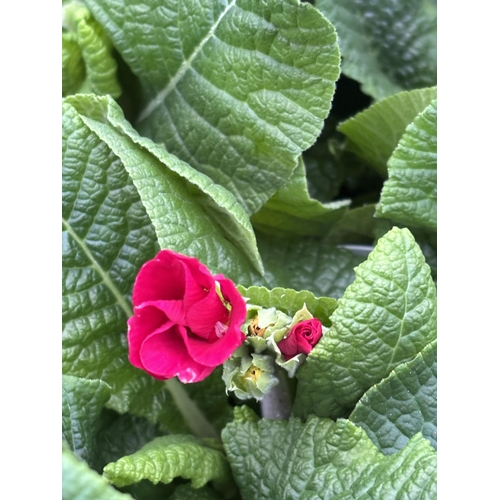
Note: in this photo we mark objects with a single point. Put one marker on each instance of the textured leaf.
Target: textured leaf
(120, 435)
(168, 457)
(73, 66)
(374, 133)
(290, 301)
(82, 403)
(190, 213)
(386, 45)
(385, 318)
(95, 50)
(402, 405)
(356, 226)
(306, 264)
(238, 89)
(292, 211)
(409, 195)
(79, 482)
(324, 460)
(324, 174)
(107, 236)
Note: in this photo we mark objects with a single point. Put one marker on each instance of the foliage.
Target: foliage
(228, 130)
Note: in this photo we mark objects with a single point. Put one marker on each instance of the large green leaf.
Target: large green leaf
(292, 211)
(290, 301)
(402, 405)
(190, 213)
(324, 460)
(312, 264)
(107, 236)
(79, 482)
(387, 46)
(82, 403)
(168, 457)
(238, 89)
(385, 318)
(88, 64)
(374, 133)
(409, 195)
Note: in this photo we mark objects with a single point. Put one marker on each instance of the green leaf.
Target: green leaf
(310, 264)
(324, 174)
(107, 236)
(290, 301)
(324, 460)
(168, 457)
(409, 196)
(73, 66)
(79, 482)
(191, 214)
(374, 133)
(82, 403)
(120, 435)
(356, 226)
(402, 405)
(387, 46)
(385, 318)
(95, 69)
(238, 89)
(292, 211)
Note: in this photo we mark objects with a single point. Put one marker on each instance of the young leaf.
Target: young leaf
(385, 318)
(95, 69)
(374, 133)
(290, 301)
(190, 213)
(312, 264)
(409, 196)
(79, 482)
(82, 403)
(324, 460)
(238, 89)
(168, 457)
(387, 46)
(107, 236)
(402, 405)
(292, 211)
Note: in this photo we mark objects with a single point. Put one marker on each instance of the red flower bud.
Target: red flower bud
(301, 338)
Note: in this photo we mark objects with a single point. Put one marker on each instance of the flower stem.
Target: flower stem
(277, 403)
(193, 416)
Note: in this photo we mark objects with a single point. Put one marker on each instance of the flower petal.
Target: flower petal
(238, 304)
(160, 278)
(215, 353)
(204, 315)
(145, 321)
(173, 309)
(164, 355)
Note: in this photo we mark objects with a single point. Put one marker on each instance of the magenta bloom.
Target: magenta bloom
(186, 322)
(301, 338)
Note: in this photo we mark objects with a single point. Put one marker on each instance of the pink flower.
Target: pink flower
(301, 338)
(186, 322)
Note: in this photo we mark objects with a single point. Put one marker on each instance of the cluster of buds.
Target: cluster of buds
(274, 341)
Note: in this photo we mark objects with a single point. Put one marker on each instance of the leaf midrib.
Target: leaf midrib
(183, 68)
(102, 273)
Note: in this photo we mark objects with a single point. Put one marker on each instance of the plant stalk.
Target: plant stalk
(193, 416)
(277, 403)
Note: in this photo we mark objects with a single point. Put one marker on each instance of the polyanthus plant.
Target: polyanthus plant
(249, 249)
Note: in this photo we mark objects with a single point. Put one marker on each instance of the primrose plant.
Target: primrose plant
(249, 249)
